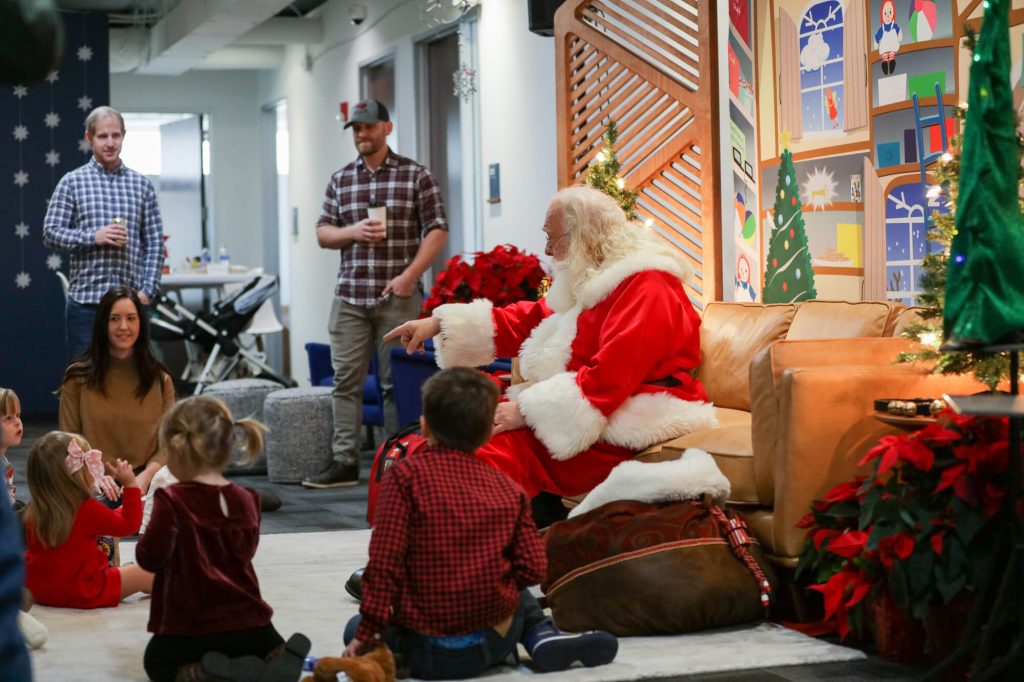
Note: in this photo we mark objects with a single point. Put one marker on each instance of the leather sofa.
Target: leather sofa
(793, 387)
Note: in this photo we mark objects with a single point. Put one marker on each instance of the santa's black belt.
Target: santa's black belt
(667, 382)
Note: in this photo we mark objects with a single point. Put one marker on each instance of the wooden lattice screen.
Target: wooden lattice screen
(651, 66)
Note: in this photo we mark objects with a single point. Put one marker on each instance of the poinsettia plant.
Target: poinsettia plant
(923, 524)
(502, 275)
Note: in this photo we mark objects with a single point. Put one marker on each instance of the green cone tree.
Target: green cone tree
(985, 280)
(788, 276)
(986, 367)
(603, 174)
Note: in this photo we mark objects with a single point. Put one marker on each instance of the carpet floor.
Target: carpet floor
(301, 576)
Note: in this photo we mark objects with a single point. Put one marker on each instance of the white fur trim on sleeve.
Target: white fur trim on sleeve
(467, 334)
(650, 418)
(688, 478)
(560, 416)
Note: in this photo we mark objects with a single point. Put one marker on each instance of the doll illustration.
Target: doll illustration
(888, 37)
(833, 110)
(745, 292)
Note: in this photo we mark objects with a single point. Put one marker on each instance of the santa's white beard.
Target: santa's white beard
(561, 297)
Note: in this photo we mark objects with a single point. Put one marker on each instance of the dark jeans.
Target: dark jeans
(429, 661)
(166, 653)
(80, 318)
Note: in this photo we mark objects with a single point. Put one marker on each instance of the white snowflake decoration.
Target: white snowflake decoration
(20, 91)
(85, 103)
(54, 261)
(84, 53)
(21, 178)
(52, 158)
(20, 133)
(52, 119)
(464, 80)
(53, 77)
(84, 146)
(22, 280)
(21, 229)
(819, 190)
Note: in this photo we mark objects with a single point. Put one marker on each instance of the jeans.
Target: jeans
(355, 333)
(430, 661)
(80, 318)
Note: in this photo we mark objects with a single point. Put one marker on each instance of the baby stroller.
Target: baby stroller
(216, 332)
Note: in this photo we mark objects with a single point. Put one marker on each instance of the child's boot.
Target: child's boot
(287, 665)
(218, 667)
(552, 649)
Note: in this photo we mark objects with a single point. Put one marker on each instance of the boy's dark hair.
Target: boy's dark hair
(458, 406)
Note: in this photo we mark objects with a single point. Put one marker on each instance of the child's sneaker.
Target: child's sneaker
(552, 649)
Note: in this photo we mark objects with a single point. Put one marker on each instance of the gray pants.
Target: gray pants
(355, 333)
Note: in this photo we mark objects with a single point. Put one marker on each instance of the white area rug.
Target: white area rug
(302, 576)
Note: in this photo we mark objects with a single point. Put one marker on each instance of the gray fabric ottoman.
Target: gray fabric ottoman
(244, 397)
(301, 424)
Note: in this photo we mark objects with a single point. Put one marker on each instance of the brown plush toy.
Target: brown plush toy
(376, 666)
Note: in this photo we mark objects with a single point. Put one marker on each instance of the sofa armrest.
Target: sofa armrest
(826, 425)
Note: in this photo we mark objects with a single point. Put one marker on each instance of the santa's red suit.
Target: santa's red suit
(608, 370)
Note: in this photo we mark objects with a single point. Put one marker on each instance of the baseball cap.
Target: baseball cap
(368, 111)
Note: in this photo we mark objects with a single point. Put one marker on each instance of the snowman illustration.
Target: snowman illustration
(888, 37)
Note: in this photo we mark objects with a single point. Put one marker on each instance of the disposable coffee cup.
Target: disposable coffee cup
(378, 210)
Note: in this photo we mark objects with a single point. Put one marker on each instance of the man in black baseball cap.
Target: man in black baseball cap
(381, 260)
(368, 111)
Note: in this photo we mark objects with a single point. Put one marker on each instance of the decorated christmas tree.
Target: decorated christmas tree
(603, 174)
(987, 368)
(788, 276)
(985, 279)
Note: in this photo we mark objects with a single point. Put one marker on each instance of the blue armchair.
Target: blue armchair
(409, 372)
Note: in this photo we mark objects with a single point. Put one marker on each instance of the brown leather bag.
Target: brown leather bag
(634, 568)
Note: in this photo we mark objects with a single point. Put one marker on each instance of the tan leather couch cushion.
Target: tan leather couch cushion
(731, 334)
(911, 316)
(729, 444)
(843, 319)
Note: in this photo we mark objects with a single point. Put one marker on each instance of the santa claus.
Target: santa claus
(607, 357)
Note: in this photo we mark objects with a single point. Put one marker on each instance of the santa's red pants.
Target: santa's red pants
(525, 460)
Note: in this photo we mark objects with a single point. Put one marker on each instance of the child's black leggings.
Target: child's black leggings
(166, 653)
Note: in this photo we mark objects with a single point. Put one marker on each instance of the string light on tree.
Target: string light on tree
(603, 174)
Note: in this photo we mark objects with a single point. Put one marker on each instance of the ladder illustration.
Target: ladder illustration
(922, 122)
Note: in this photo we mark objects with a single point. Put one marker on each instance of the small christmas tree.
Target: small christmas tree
(985, 280)
(788, 277)
(603, 174)
(987, 368)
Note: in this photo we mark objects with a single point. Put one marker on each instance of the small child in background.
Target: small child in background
(63, 565)
(454, 550)
(11, 431)
(207, 616)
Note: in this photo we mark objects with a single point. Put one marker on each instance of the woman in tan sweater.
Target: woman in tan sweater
(116, 393)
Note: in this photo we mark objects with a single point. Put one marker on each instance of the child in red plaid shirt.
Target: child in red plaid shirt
(454, 551)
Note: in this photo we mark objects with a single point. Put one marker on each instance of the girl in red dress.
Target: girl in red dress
(64, 565)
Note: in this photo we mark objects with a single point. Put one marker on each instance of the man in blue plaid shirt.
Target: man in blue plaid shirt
(381, 261)
(106, 216)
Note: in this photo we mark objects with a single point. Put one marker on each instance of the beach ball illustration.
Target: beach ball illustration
(922, 20)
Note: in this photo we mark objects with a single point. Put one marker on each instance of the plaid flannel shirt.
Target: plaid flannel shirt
(414, 205)
(454, 543)
(87, 199)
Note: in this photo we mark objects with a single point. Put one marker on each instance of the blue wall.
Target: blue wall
(41, 127)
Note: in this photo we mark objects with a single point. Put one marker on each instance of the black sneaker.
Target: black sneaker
(354, 584)
(217, 666)
(337, 475)
(552, 649)
(288, 666)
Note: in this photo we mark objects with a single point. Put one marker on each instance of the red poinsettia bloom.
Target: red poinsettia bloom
(502, 275)
(899, 546)
(849, 544)
(893, 449)
(845, 491)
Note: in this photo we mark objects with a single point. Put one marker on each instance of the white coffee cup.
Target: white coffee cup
(380, 214)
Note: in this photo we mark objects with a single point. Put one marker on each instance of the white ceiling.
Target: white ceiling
(170, 37)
